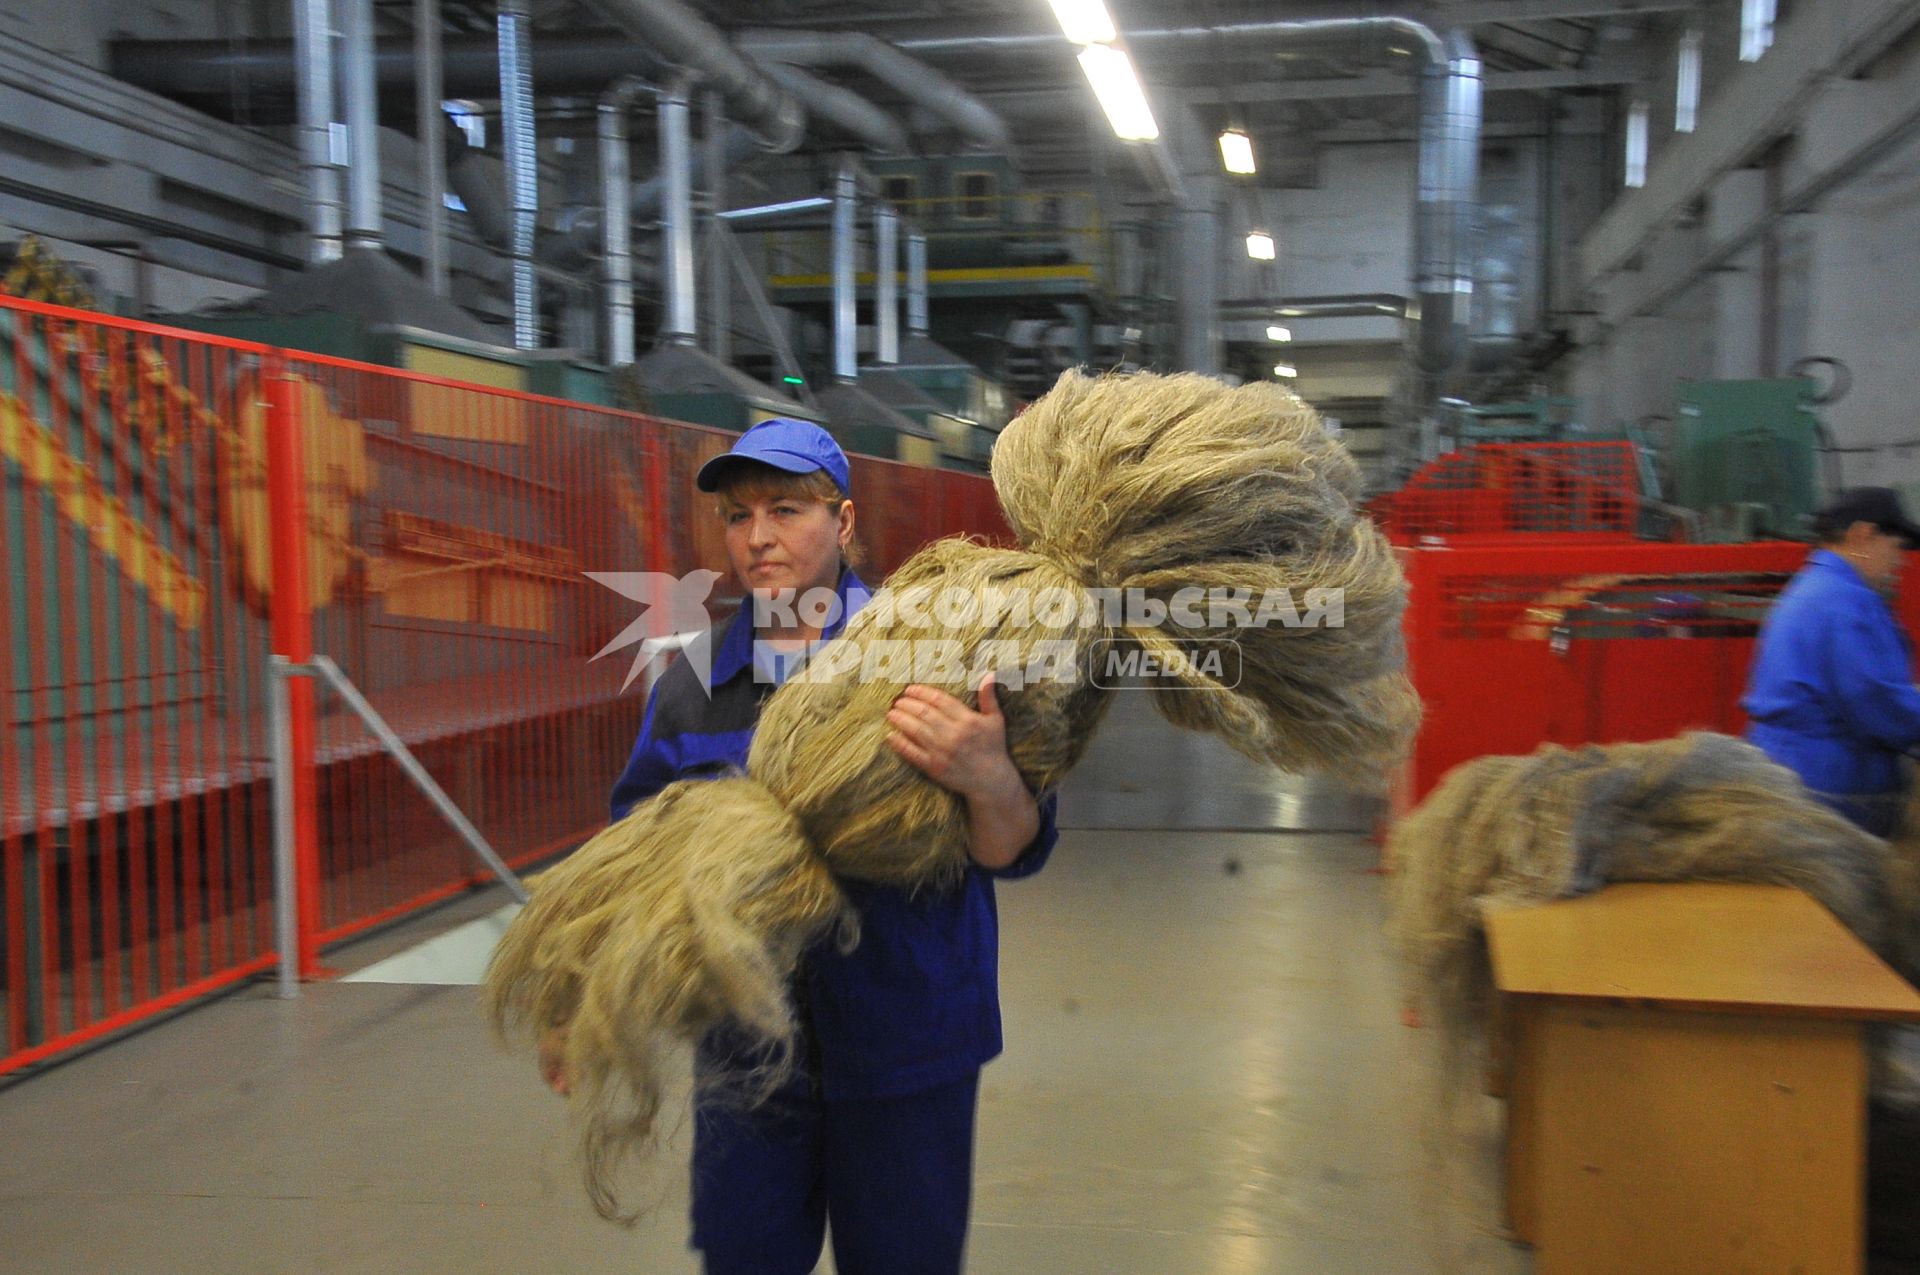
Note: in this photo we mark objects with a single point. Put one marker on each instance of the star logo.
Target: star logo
(673, 610)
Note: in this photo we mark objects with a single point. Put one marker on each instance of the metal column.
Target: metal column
(845, 350)
(676, 163)
(886, 291)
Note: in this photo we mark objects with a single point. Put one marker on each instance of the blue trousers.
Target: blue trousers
(894, 1176)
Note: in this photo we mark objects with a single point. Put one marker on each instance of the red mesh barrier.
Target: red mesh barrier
(1499, 488)
(446, 532)
(1544, 640)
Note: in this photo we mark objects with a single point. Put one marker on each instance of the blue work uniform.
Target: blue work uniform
(1831, 695)
(876, 1132)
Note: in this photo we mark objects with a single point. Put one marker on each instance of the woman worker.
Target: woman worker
(874, 1133)
(1831, 694)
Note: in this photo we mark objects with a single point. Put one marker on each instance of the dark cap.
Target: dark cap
(1877, 505)
(798, 447)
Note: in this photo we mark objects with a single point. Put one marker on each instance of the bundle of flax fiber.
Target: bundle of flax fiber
(693, 910)
(1702, 807)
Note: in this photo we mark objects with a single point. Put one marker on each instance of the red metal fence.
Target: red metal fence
(164, 494)
(1503, 488)
(1546, 639)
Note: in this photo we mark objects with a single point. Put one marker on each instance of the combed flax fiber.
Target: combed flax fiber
(693, 911)
(1701, 807)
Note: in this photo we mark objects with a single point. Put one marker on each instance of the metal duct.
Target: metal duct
(523, 174)
(886, 278)
(313, 41)
(1371, 305)
(917, 319)
(214, 72)
(1444, 205)
(1449, 147)
(1205, 41)
(907, 76)
(433, 156)
(845, 197)
(740, 145)
(682, 37)
(719, 286)
(616, 190)
(676, 164)
(845, 110)
(476, 179)
(363, 124)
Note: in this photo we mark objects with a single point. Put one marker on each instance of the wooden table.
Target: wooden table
(1687, 1079)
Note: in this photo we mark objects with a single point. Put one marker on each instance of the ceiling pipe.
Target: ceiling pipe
(907, 76)
(1208, 39)
(523, 173)
(682, 38)
(214, 71)
(1356, 305)
(663, 36)
(313, 45)
(845, 110)
(363, 125)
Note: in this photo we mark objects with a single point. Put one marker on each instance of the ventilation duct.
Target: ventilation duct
(617, 224)
(313, 43)
(363, 125)
(907, 76)
(676, 166)
(682, 38)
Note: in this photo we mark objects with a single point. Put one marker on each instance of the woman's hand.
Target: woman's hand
(965, 752)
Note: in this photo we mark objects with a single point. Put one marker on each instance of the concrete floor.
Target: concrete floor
(1206, 1072)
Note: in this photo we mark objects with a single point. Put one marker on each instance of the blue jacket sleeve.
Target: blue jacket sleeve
(1873, 681)
(1034, 857)
(649, 768)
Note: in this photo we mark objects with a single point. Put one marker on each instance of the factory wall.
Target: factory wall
(1862, 309)
(1821, 284)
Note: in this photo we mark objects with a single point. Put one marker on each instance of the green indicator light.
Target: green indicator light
(793, 380)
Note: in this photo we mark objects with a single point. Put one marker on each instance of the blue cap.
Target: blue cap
(798, 447)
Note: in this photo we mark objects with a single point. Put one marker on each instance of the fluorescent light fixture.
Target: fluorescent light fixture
(1260, 245)
(1637, 117)
(1285, 371)
(1085, 21)
(1756, 28)
(1686, 89)
(1236, 151)
(1278, 333)
(1110, 71)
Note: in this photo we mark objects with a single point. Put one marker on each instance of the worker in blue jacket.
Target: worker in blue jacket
(1831, 695)
(875, 1131)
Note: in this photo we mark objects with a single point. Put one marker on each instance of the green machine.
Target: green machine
(688, 384)
(965, 392)
(960, 446)
(1746, 450)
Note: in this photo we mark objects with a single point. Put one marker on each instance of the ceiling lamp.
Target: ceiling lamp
(1236, 151)
(1111, 73)
(1085, 21)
